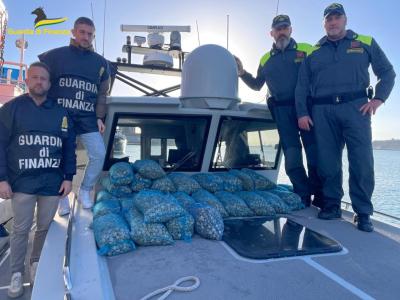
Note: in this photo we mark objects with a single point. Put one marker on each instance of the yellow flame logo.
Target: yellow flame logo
(42, 20)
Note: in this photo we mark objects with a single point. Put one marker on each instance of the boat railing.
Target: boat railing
(67, 255)
(18, 83)
(348, 206)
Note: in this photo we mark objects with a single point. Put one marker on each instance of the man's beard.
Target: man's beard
(38, 92)
(337, 33)
(282, 42)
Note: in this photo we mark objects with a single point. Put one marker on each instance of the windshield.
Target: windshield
(175, 142)
(246, 143)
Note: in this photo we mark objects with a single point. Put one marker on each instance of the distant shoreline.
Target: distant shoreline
(384, 149)
(392, 145)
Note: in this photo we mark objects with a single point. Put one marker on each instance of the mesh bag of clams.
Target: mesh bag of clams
(154, 234)
(231, 183)
(181, 228)
(260, 182)
(127, 202)
(164, 185)
(205, 197)
(112, 235)
(209, 182)
(106, 207)
(121, 173)
(184, 199)
(208, 222)
(277, 203)
(184, 183)
(235, 206)
(139, 183)
(257, 203)
(247, 181)
(292, 200)
(104, 195)
(148, 168)
(285, 187)
(157, 207)
(115, 190)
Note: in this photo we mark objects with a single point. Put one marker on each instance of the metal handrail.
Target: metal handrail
(67, 254)
(376, 212)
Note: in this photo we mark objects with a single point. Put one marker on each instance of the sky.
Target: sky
(249, 39)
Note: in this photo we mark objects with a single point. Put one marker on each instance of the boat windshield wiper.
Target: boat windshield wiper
(184, 159)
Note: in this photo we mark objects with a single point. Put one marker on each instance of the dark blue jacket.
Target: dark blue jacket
(37, 146)
(335, 68)
(76, 75)
(279, 70)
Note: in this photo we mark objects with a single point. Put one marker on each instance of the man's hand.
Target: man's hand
(239, 66)
(5, 190)
(66, 188)
(101, 126)
(305, 123)
(371, 106)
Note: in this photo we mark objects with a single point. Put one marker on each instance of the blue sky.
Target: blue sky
(249, 33)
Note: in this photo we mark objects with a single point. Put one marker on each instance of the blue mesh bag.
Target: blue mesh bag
(184, 199)
(148, 168)
(247, 181)
(157, 207)
(277, 203)
(121, 173)
(127, 202)
(163, 185)
(208, 222)
(257, 203)
(181, 228)
(115, 190)
(209, 182)
(292, 200)
(106, 207)
(261, 183)
(184, 183)
(205, 197)
(154, 234)
(104, 195)
(112, 235)
(139, 183)
(231, 183)
(286, 187)
(235, 206)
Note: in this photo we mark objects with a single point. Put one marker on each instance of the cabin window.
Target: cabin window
(175, 142)
(245, 143)
(155, 147)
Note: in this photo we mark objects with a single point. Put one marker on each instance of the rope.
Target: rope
(175, 287)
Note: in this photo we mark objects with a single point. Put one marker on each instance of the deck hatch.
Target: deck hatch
(263, 238)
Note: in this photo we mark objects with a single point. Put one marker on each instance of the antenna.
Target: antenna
(227, 32)
(277, 8)
(91, 8)
(104, 23)
(198, 34)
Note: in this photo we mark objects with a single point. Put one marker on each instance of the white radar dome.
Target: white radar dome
(209, 79)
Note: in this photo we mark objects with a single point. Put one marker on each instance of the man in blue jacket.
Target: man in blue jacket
(37, 164)
(279, 69)
(80, 82)
(336, 75)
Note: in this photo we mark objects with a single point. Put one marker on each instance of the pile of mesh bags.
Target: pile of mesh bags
(147, 207)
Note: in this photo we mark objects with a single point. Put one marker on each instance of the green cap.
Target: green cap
(334, 8)
(281, 20)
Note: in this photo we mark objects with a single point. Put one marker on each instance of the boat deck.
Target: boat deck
(367, 268)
